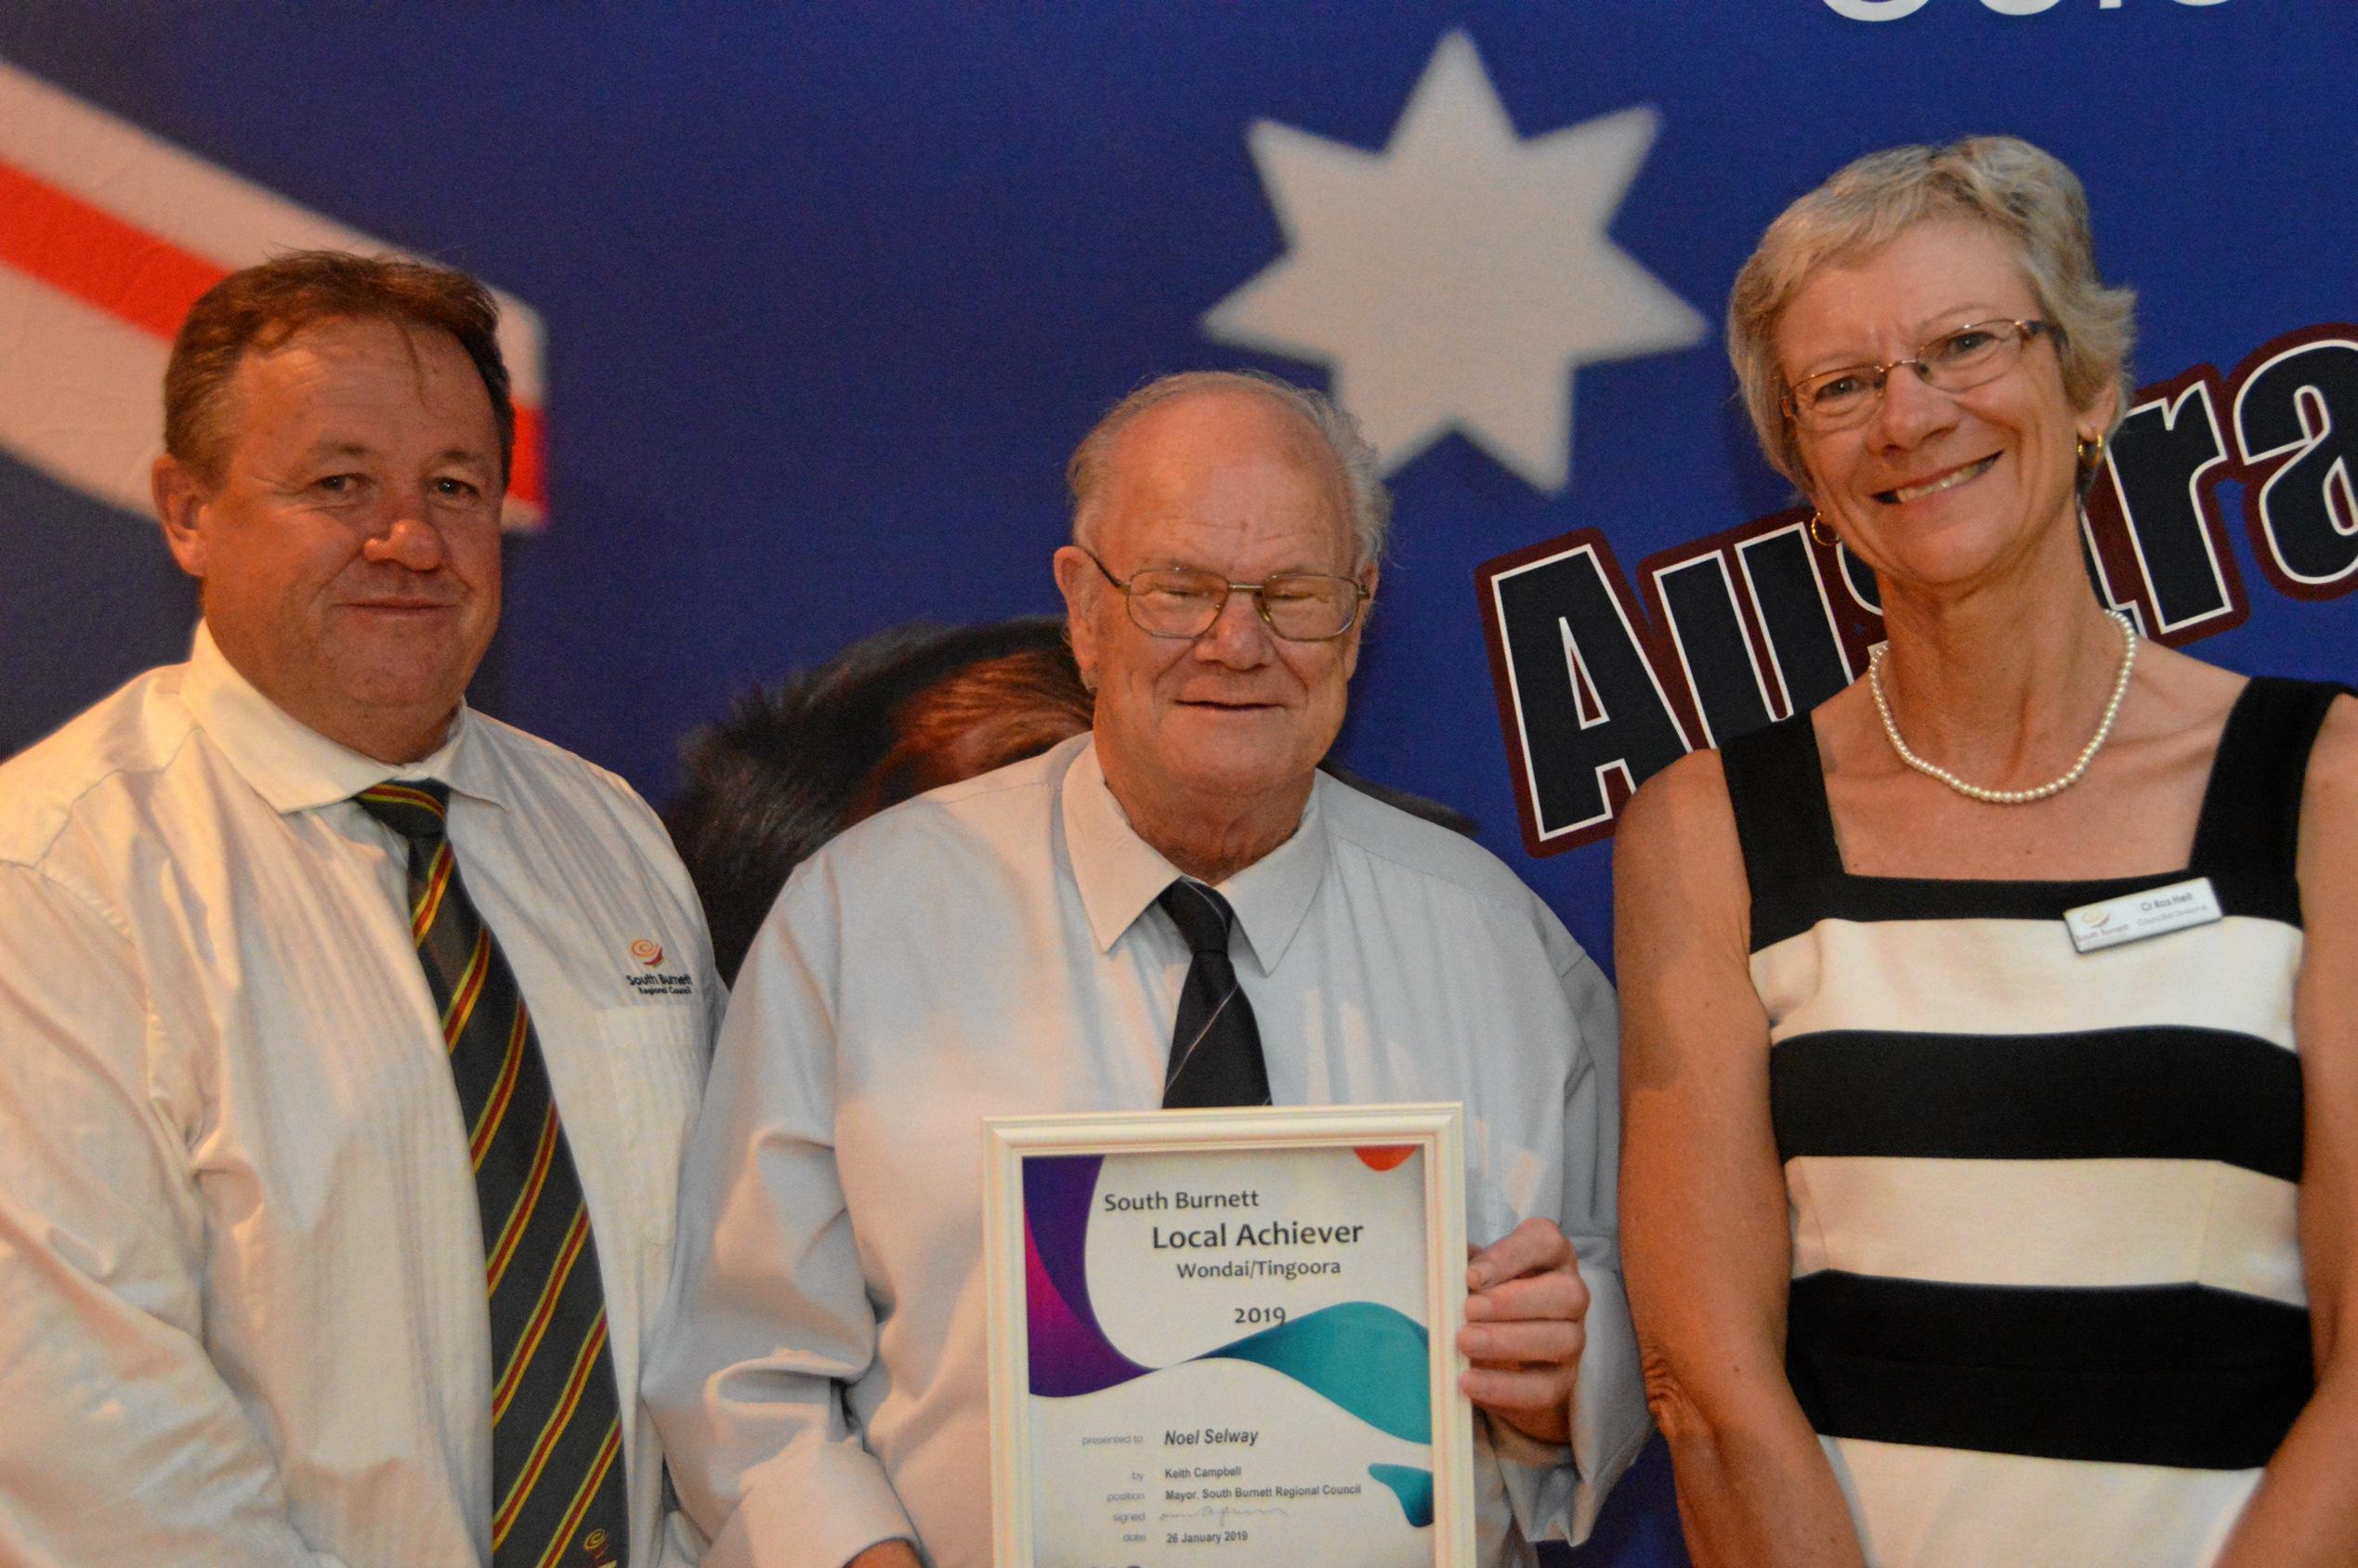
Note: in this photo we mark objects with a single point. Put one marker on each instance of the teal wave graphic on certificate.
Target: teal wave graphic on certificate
(1412, 1486)
(1366, 1358)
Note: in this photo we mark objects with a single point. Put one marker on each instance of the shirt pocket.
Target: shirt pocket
(1489, 1215)
(655, 1055)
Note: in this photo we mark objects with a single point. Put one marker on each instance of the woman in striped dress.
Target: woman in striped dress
(1991, 1187)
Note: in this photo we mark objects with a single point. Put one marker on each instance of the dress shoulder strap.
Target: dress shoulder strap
(1776, 787)
(2250, 820)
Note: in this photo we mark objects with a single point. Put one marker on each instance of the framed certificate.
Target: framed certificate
(1229, 1337)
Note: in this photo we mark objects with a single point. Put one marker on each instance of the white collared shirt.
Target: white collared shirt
(242, 1302)
(821, 1379)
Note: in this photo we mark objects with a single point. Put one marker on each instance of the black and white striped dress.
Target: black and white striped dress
(2047, 1302)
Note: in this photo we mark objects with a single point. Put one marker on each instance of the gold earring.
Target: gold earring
(1828, 540)
(2092, 450)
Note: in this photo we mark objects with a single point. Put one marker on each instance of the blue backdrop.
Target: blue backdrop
(830, 291)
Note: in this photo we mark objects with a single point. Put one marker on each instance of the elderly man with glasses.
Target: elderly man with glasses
(1175, 908)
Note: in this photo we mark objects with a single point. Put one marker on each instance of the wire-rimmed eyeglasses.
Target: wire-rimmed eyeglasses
(1300, 607)
(1958, 360)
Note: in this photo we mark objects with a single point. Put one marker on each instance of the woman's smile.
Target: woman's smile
(1962, 474)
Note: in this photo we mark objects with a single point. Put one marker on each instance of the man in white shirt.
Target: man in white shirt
(1013, 944)
(347, 1037)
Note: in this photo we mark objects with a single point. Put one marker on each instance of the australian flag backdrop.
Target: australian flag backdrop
(808, 302)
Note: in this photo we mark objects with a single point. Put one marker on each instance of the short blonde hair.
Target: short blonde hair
(2027, 195)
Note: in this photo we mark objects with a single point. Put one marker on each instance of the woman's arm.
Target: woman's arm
(2306, 1508)
(1703, 1210)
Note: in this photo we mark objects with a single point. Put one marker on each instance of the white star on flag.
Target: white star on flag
(1458, 278)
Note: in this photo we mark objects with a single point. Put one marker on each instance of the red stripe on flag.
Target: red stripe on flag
(526, 479)
(94, 255)
(83, 250)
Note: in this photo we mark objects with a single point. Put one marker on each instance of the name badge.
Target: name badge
(2140, 915)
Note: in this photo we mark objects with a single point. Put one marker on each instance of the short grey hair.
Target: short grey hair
(1371, 503)
(2027, 195)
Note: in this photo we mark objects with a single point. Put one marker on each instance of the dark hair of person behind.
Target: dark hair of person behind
(257, 309)
(905, 710)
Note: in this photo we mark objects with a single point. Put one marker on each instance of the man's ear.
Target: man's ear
(181, 502)
(1366, 577)
(1077, 580)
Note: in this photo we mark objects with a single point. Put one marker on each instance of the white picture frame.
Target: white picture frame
(1435, 1129)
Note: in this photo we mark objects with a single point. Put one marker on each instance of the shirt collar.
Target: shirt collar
(293, 767)
(1120, 874)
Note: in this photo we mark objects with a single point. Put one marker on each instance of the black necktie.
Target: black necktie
(557, 1469)
(1215, 1048)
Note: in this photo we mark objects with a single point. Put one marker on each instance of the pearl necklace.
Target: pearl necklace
(2010, 797)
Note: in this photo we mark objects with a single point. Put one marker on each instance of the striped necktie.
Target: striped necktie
(1216, 1046)
(556, 1475)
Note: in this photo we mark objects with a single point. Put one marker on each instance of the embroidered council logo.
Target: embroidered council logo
(659, 981)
